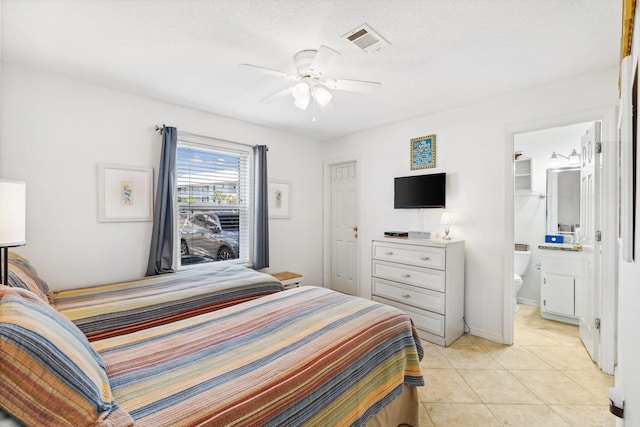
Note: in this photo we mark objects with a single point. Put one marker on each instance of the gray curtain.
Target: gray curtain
(260, 209)
(161, 253)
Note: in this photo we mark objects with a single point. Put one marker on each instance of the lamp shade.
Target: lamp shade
(12, 213)
(322, 96)
(446, 218)
(301, 95)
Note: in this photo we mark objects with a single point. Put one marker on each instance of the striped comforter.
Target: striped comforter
(306, 356)
(110, 310)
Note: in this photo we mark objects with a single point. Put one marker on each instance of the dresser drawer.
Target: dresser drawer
(422, 256)
(421, 277)
(430, 322)
(410, 295)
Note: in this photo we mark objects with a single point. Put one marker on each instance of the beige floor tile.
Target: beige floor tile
(585, 416)
(526, 415)
(488, 345)
(563, 337)
(433, 358)
(425, 419)
(596, 381)
(545, 379)
(532, 319)
(445, 385)
(469, 356)
(461, 415)
(553, 387)
(526, 337)
(497, 386)
(564, 358)
(518, 357)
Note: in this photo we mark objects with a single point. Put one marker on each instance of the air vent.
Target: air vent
(366, 39)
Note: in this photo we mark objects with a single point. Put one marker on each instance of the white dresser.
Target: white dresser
(424, 278)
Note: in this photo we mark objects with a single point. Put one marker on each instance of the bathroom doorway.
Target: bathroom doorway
(547, 202)
(530, 204)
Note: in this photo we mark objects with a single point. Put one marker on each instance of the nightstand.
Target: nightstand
(288, 279)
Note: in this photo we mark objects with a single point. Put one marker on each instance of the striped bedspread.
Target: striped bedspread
(110, 310)
(305, 356)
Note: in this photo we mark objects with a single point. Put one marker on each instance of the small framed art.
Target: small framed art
(279, 199)
(423, 152)
(125, 193)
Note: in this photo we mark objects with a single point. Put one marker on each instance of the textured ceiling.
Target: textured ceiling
(443, 53)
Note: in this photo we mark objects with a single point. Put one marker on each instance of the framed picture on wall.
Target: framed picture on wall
(279, 199)
(125, 193)
(423, 152)
(628, 144)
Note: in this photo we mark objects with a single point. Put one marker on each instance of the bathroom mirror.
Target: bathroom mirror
(563, 200)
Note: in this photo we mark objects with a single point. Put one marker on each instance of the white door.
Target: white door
(344, 228)
(587, 295)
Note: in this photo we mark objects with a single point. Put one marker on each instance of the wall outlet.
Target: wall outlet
(294, 268)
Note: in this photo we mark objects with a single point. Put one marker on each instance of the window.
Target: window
(213, 201)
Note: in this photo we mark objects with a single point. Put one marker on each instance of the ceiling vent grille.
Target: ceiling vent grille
(366, 39)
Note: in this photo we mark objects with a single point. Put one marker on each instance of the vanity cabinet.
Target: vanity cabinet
(425, 279)
(560, 287)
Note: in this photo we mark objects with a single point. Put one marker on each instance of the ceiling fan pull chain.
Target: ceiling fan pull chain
(313, 107)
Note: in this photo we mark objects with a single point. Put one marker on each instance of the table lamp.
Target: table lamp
(12, 220)
(446, 219)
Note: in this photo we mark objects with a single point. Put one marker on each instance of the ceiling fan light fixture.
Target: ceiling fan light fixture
(301, 95)
(321, 95)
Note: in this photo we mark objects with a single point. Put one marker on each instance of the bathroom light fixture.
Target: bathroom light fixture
(573, 158)
(446, 219)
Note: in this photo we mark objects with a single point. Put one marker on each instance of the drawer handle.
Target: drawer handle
(405, 295)
(425, 258)
(406, 275)
(388, 253)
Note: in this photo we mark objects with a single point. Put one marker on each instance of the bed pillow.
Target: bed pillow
(23, 275)
(49, 373)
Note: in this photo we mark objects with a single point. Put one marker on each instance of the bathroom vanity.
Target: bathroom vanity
(560, 286)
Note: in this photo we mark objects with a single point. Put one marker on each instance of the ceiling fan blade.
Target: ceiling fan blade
(278, 95)
(353, 85)
(268, 71)
(323, 61)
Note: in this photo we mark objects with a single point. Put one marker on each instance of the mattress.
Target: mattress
(115, 309)
(305, 356)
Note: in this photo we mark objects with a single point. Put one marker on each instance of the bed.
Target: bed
(109, 310)
(305, 356)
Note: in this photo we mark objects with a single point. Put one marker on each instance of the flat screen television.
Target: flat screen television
(420, 191)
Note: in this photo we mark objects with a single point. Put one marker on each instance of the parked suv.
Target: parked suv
(202, 235)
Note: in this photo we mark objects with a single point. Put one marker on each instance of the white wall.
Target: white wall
(55, 131)
(473, 146)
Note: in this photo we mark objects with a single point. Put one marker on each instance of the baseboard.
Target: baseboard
(487, 335)
(527, 301)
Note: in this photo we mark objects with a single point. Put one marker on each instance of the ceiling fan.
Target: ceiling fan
(313, 83)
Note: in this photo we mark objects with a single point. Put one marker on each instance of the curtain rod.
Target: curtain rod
(159, 130)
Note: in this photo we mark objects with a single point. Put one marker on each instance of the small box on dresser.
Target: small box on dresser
(425, 279)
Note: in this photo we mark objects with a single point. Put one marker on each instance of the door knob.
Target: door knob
(355, 235)
(355, 228)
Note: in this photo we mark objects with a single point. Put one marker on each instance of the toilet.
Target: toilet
(520, 264)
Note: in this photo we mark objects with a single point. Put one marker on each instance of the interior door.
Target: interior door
(591, 246)
(344, 228)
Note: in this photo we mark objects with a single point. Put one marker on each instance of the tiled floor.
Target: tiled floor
(545, 379)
